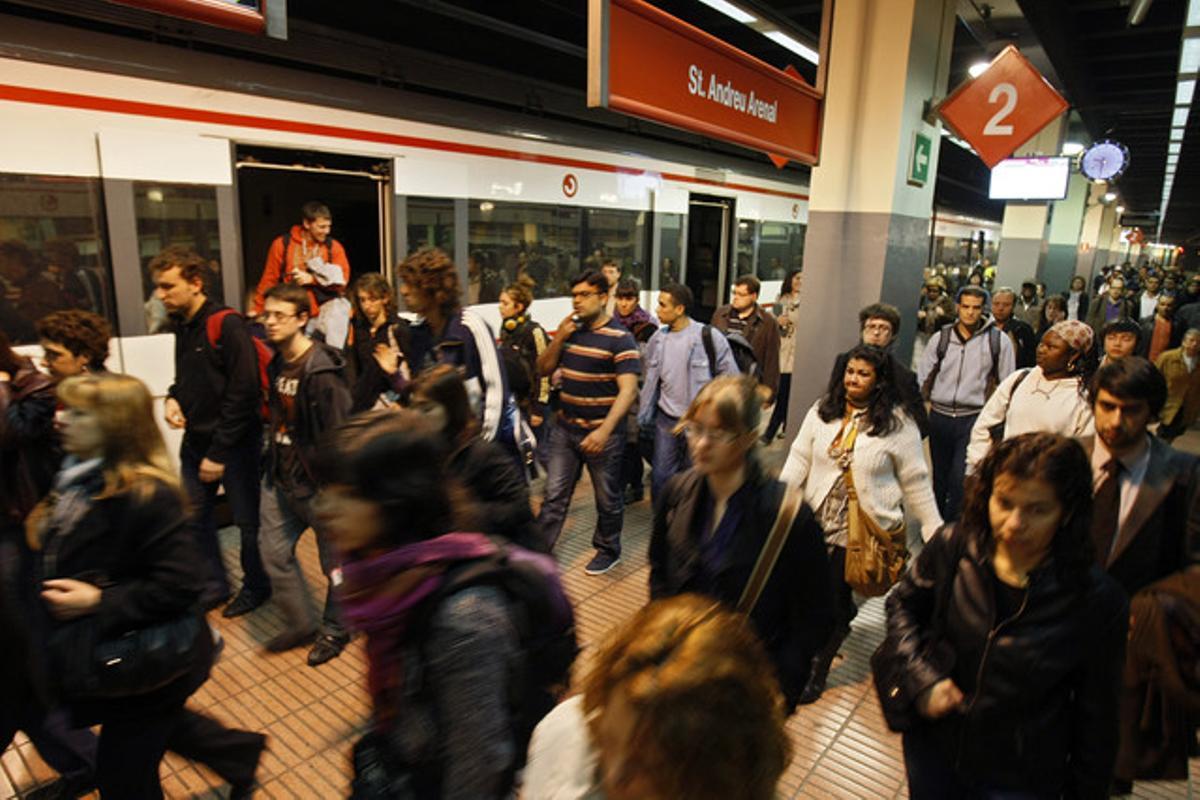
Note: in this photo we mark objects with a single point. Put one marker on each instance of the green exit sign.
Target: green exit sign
(922, 155)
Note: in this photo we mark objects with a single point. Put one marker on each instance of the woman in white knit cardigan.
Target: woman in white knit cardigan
(887, 462)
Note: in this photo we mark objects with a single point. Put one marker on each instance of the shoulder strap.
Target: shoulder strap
(994, 347)
(212, 325)
(943, 343)
(709, 349)
(769, 554)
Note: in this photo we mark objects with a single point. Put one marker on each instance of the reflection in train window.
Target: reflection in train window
(182, 215)
(769, 249)
(430, 224)
(52, 251)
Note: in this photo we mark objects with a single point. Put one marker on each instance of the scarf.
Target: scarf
(380, 594)
(640, 316)
(75, 488)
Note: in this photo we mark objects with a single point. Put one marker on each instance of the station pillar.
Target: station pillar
(1023, 236)
(871, 197)
(1066, 225)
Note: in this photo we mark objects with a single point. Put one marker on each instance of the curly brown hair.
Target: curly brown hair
(372, 284)
(699, 682)
(521, 291)
(431, 273)
(80, 332)
(192, 265)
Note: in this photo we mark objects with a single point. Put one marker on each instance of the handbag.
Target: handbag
(769, 554)
(136, 662)
(875, 558)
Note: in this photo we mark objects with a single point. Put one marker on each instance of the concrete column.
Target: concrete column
(1089, 235)
(868, 226)
(1107, 240)
(1023, 246)
(1066, 225)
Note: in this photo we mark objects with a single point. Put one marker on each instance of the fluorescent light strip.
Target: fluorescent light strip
(1183, 92)
(1179, 118)
(730, 10)
(1193, 13)
(1173, 148)
(1189, 57)
(1176, 135)
(804, 51)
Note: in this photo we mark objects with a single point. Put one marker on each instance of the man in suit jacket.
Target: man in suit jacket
(1178, 368)
(1019, 331)
(1111, 306)
(879, 324)
(1146, 518)
(1159, 332)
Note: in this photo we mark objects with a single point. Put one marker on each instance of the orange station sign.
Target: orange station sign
(649, 64)
(1003, 108)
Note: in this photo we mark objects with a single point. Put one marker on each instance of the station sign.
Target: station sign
(649, 64)
(1003, 108)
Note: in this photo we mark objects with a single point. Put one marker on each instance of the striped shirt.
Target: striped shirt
(591, 362)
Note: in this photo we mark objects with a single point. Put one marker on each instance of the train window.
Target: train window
(670, 244)
(431, 224)
(53, 255)
(176, 214)
(770, 249)
(549, 244)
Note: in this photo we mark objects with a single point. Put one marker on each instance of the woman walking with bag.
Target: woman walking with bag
(858, 461)
(1005, 642)
(713, 524)
(128, 645)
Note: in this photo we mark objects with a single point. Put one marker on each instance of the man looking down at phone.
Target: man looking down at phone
(600, 366)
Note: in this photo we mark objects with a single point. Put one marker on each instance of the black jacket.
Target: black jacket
(218, 389)
(139, 552)
(906, 384)
(794, 616)
(322, 405)
(367, 378)
(501, 496)
(1041, 687)
(520, 347)
(29, 448)
(1024, 340)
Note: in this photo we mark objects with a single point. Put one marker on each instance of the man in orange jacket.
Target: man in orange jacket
(310, 257)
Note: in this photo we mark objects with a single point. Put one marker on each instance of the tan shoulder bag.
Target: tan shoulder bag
(875, 558)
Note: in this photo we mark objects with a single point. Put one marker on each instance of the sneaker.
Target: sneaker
(244, 603)
(327, 647)
(290, 640)
(601, 563)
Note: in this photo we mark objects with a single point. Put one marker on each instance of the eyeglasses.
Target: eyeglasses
(583, 295)
(695, 432)
(276, 316)
(878, 327)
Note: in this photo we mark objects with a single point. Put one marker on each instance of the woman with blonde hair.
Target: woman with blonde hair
(681, 701)
(711, 523)
(118, 576)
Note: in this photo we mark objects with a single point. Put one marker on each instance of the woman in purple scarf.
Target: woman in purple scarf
(438, 666)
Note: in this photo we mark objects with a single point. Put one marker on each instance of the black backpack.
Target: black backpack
(743, 353)
(538, 674)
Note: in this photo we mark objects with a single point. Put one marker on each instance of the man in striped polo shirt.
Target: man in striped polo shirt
(600, 365)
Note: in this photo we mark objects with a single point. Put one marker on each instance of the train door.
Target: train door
(274, 183)
(708, 246)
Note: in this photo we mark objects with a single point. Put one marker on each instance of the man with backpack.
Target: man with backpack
(308, 256)
(961, 367)
(681, 357)
(744, 317)
(308, 398)
(217, 400)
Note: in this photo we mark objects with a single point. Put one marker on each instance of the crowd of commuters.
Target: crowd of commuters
(1051, 504)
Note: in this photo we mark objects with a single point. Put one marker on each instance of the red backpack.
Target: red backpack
(262, 350)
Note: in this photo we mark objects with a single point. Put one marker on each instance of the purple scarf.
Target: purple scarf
(640, 316)
(379, 595)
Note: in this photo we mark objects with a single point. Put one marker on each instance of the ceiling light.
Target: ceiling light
(1193, 13)
(486, 206)
(1110, 196)
(1176, 134)
(1189, 56)
(1179, 118)
(1173, 148)
(802, 50)
(1120, 209)
(1172, 159)
(730, 10)
(978, 68)
(1072, 148)
(1183, 92)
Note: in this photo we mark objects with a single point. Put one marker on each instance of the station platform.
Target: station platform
(842, 748)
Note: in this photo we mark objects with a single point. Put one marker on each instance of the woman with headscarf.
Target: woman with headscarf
(1050, 397)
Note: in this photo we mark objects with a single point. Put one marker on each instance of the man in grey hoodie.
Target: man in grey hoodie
(961, 367)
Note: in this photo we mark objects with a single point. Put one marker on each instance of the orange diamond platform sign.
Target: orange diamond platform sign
(1003, 108)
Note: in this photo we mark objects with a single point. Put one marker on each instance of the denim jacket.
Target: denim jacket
(699, 371)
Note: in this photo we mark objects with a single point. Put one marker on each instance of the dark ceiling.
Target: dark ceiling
(1121, 81)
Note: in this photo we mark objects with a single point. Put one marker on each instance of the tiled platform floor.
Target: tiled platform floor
(842, 748)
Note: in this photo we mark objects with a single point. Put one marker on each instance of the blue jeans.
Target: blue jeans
(241, 489)
(948, 439)
(563, 463)
(284, 521)
(670, 453)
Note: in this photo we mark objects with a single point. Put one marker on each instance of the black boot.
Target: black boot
(820, 669)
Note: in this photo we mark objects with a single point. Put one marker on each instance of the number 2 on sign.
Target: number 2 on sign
(993, 127)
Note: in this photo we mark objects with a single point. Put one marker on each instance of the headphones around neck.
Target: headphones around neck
(512, 323)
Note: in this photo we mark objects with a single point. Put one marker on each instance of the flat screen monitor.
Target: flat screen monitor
(1030, 178)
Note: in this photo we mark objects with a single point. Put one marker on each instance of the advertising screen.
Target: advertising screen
(1030, 178)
